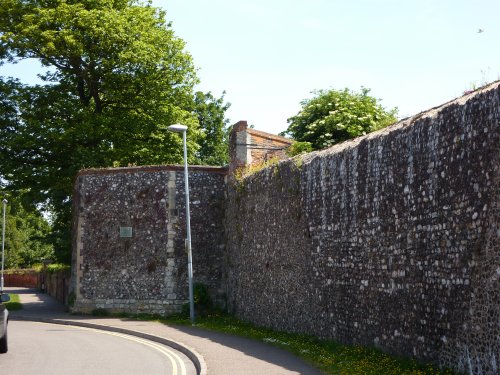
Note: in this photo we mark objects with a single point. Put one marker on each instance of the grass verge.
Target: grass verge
(14, 303)
(328, 356)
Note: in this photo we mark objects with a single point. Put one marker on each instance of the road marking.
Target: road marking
(175, 360)
(178, 365)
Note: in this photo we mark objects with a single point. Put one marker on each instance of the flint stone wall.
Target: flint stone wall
(148, 271)
(389, 240)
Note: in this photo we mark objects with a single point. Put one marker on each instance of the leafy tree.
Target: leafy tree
(210, 112)
(117, 77)
(334, 116)
(25, 236)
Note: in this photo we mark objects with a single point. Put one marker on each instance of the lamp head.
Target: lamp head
(177, 128)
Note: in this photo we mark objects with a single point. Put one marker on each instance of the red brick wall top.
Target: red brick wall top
(271, 137)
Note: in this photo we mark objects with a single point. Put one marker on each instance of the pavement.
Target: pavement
(212, 353)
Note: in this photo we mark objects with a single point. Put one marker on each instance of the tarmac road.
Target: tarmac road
(43, 349)
(213, 353)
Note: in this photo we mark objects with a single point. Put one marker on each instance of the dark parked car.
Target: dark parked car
(4, 320)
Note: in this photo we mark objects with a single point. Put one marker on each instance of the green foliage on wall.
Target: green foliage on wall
(297, 148)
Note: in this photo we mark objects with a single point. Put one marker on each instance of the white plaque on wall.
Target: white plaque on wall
(125, 232)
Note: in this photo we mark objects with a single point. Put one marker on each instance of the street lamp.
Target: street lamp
(179, 128)
(3, 243)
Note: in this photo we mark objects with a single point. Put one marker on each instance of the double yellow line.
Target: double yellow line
(178, 366)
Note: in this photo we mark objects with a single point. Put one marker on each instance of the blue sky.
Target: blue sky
(268, 55)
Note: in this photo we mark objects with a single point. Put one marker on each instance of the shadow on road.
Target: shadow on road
(252, 348)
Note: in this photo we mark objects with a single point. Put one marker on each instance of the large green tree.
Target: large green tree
(211, 111)
(26, 235)
(116, 77)
(333, 116)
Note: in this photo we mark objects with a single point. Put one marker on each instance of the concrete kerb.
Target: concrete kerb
(191, 353)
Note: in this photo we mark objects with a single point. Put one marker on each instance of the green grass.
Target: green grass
(329, 357)
(14, 303)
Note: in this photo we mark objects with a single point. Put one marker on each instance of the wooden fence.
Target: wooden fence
(55, 284)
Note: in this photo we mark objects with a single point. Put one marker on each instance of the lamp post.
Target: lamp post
(3, 243)
(179, 128)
